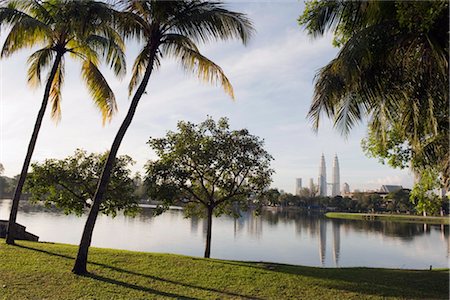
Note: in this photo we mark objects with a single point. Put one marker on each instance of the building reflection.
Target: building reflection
(336, 226)
(322, 240)
(254, 226)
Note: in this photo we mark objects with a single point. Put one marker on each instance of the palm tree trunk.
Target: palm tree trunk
(82, 256)
(10, 234)
(208, 233)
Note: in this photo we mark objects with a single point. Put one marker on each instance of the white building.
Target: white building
(336, 178)
(345, 188)
(298, 186)
(322, 177)
(312, 188)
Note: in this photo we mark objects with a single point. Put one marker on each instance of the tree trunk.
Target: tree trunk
(11, 232)
(208, 233)
(82, 256)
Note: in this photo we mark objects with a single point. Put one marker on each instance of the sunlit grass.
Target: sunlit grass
(42, 271)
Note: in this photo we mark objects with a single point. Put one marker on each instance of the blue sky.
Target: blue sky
(273, 83)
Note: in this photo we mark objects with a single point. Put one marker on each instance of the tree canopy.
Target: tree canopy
(82, 29)
(70, 183)
(210, 167)
(392, 68)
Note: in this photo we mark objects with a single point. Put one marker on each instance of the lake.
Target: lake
(283, 236)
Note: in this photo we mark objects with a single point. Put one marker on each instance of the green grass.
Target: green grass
(389, 217)
(42, 271)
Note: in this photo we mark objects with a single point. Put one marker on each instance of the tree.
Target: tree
(166, 28)
(70, 183)
(80, 28)
(210, 167)
(399, 201)
(271, 197)
(308, 193)
(392, 68)
(423, 195)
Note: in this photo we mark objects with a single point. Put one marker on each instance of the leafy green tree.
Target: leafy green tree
(70, 183)
(210, 167)
(392, 67)
(271, 197)
(423, 195)
(307, 192)
(399, 201)
(166, 29)
(58, 27)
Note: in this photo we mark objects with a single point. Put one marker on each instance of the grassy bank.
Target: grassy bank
(42, 271)
(389, 217)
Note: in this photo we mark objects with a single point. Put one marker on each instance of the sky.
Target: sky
(273, 81)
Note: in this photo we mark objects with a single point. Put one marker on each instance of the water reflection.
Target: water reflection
(336, 242)
(286, 236)
(322, 240)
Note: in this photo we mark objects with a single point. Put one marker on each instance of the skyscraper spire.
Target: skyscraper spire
(336, 178)
(322, 177)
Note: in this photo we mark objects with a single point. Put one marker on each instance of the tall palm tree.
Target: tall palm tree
(79, 28)
(392, 68)
(166, 28)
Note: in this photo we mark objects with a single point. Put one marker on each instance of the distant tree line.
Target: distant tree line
(7, 186)
(395, 202)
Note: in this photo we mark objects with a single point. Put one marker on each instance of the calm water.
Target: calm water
(276, 236)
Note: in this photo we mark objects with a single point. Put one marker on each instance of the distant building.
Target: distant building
(322, 180)
(312, 188)
(298, 186)
(390, 188)
(336, 178)
(345, 188)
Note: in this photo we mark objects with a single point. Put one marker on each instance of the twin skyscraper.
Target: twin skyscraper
(322, 181)
(322, 184)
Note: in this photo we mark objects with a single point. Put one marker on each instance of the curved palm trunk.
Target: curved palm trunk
(208, 233)
(10, 234)
(82, 256)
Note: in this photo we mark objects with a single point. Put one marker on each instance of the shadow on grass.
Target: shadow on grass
(136, 287)
(367, 281)
(370, 281)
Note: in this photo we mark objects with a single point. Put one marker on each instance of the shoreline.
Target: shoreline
(389, 217)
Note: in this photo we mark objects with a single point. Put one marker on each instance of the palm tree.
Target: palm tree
(392, 68)
(166, 28)
(80, 28)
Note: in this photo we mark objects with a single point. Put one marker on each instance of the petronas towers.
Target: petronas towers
(322, 180)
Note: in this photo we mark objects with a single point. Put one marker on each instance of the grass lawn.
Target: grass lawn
(389, 217)
(42, 271)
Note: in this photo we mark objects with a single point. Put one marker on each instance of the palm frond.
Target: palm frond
(130, 25)
(140, 64)
(182, 48)
(352, 83)
(80, 49)
(99, 89)
(55, 92)
(112, 50)
(37, 62)
(26, 32)
(206, 21)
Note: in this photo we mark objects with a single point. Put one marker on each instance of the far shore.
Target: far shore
(389, 217)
